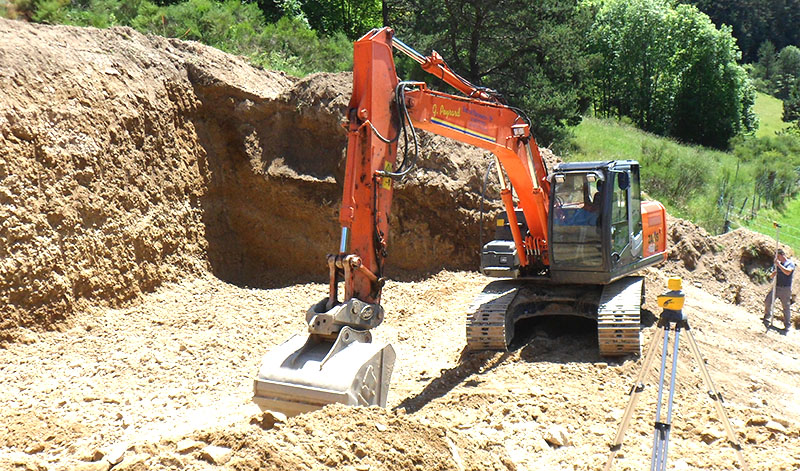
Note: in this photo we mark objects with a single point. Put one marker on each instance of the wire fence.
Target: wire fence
(765, 226)
(783, 224)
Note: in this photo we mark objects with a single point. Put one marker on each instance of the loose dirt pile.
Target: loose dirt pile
(127, 161)
(733, 266)
(145, 183)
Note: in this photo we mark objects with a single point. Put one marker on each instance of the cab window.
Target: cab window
(619, 212)
(577, 230)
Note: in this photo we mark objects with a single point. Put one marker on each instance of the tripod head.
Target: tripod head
(672, 303)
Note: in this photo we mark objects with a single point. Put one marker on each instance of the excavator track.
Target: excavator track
(616, 307)
(619, 317)
(487, 324)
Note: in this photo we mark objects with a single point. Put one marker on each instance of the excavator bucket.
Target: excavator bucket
(307, 372)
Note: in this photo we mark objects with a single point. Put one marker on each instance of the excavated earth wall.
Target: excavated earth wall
(128, 160)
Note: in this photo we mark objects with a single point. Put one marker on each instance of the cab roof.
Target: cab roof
(596, 165)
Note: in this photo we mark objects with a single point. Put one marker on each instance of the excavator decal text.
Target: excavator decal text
(477, 122)
(477, 115)
(468, 132)
(652, 241)
(444, 112)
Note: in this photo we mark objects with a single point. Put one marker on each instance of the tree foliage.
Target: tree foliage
(531, 52)
(786, 78)
(351, 17)
(791, 107)
(778, 74)
(670, 70)
(327, 17)
(756, 21)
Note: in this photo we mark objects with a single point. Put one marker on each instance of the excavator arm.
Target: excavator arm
(379, 107)
(337, 361)
(501, 130)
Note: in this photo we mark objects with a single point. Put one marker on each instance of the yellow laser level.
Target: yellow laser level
(672, 299)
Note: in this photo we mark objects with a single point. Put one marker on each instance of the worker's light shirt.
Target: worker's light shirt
(784, 279)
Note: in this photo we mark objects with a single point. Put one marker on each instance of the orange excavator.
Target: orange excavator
(568, 244)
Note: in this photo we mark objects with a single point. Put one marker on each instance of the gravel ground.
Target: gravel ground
(179, 366)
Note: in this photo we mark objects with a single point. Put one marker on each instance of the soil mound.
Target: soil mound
(734, 266)
(337, 437)
(127, 161)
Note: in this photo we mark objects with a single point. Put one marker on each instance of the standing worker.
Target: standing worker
(784, 269)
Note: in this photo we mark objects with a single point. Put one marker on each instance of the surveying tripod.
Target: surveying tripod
(672, 318)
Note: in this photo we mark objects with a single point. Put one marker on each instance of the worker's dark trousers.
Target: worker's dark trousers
(784, 294)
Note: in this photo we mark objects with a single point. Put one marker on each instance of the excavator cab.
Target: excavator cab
(599, 224)
(599, 228)
(600, 233)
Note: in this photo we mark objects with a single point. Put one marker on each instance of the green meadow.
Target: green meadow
(693, 182)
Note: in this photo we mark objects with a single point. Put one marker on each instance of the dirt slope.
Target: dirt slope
(733, 266)
(127, 161)
(145, 183)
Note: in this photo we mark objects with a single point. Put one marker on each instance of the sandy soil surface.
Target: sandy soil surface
(166, 378)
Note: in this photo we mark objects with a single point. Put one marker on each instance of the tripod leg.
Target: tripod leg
(662, 429)
(658, 436)
(717, 398)
(636, 389)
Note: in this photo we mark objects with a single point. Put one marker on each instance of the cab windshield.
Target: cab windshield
(577, 208)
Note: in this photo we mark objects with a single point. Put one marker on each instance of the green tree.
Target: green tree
(715, 99)
(671, 71)
(351, 17)
(787, 72)
(633, 76)
(763, 71)
(791, 107)
(767, 57)
(532, 52)
(274, 10)
(755, 21)
(787, 83)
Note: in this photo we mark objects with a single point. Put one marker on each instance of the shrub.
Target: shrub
(230, 25)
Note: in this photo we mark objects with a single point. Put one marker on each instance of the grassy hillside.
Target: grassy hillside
(691, 181)
(789, 220)
(770, 113)
(688, 180)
